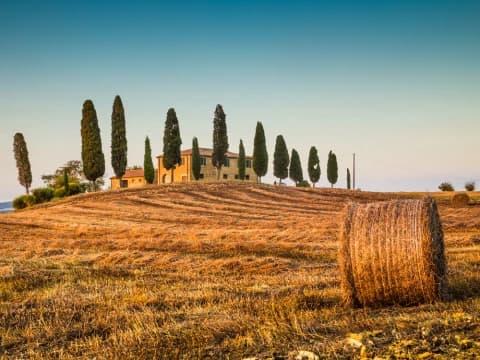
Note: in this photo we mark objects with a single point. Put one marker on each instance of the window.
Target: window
(202, 176)
(247, 177)
(225, 176)
(203, 161)
(248, 163)
(237, 177)
(124, 183)
(226, 163)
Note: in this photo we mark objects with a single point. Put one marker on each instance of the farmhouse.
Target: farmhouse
(132, 179)
(183, 172)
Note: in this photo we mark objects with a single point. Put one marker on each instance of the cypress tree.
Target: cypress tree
(220, 139)
(281, 159)
(313, 165)
(260, 155)
(241, 161)
(119, 139)
(196, 165)
(295, 173)
(148, 169)
(66, 185)
(23, 163)
(171, 142)
(348, 179)
(332, 168)
(92, 154)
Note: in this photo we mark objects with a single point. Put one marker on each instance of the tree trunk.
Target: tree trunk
(172, 179)
(27, 190)
(218, 173)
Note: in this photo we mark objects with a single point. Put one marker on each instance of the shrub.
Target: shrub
(43, 194)
(446, 186)
(75, 189)
(30, 200)
(460, 200)
(19, 202)
(59, 193)
(470, 186)
(303, 183)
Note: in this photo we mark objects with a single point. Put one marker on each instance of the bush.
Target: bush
(30, 200)
(75, 189)
(303, 183)
(470, 186)
(460, 200)
(43, 194)
(446, 186)
(20, 202)
(59, 193)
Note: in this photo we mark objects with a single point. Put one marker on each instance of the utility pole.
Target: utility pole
(353, 171)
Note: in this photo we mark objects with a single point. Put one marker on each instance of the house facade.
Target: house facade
(183, 172)
(132, 179)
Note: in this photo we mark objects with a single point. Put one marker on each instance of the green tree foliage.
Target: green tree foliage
(23, 163)
(446, 186)
(119, 138)
(171, 142)
(241, 161)
(220, 139)
(260, 154)
(92, 154)
(295, 172)
(470, 186)
(148, 169)
(348, 179)
(332, 168)
(281, 159)
(43, 195)
(77, 181)
(313, 165)
(66, 184)
(196, 165)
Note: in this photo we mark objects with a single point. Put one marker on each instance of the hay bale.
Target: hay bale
(392, 253)
(460, 200)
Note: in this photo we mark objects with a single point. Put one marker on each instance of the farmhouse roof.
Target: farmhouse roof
(132, 173)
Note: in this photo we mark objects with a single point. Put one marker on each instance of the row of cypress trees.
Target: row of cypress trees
(285, 166)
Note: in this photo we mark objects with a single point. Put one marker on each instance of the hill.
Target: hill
(214, 271)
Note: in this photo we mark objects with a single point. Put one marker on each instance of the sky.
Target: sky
(396, 82)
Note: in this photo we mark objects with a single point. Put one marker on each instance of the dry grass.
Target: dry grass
(214, 271)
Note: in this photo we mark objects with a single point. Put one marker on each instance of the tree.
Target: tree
(171, 142)
(23, 163)
(241, 161)
(470, 186)
(348, 179)
(295, 172)
(75, 176)
(332, 168)
(148, 169)
(66, 184)
(260, 155)
(281, 159)
(196, 164)
(220, 139)
(313, 165)
(119, 139)
(92, 154)
(446, 186)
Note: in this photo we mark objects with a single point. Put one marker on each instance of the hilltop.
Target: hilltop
(214, 271)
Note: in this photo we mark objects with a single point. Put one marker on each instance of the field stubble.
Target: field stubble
(214, 271)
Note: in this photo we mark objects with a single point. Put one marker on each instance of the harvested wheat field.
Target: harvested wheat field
(216, 271)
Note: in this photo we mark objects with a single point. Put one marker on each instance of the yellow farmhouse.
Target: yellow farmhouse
(183, 172)
(131, 179)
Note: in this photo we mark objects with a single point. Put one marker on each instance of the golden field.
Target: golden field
(215, 271)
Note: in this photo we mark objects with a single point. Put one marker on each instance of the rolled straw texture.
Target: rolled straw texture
(392, 253)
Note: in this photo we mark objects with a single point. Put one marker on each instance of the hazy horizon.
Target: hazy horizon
(398, 83)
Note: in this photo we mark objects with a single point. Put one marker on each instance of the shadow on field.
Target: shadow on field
(463, 288)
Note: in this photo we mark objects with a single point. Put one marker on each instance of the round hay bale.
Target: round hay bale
(392, 253)
(460, 200)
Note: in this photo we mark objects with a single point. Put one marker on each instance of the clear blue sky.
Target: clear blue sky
(397, 82)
